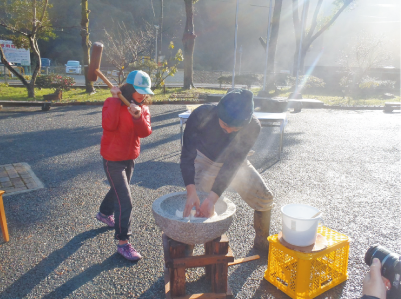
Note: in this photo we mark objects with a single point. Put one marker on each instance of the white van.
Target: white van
(73, 67)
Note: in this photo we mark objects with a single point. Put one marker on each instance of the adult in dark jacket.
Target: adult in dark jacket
(217, 140)
(120, 145)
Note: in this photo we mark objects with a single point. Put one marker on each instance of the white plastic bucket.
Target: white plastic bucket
(298, 228)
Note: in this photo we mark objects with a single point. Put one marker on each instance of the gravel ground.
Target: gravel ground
(346, 163)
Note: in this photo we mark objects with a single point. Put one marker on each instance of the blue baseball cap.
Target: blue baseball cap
(236, 108)
(141, 82)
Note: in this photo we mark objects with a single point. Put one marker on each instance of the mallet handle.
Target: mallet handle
(110, 85)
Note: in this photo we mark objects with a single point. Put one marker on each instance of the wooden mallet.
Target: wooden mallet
(94, 69)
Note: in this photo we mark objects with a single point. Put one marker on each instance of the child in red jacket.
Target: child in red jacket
(120, 145)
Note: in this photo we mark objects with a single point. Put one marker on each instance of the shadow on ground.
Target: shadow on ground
(27, 282)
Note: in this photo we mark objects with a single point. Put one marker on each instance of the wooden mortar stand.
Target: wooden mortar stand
(178, 257)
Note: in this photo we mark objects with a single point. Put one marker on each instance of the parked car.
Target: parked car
(73, 67)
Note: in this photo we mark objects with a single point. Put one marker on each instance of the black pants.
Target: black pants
(118, 199)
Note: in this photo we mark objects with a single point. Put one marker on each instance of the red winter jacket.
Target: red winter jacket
(121, 132)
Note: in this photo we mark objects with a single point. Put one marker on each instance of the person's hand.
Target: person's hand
(135, 110)
(373, 283)
(192, 200)
(207, 208)
(115, 91)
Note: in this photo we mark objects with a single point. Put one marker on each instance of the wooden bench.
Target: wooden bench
(3, 221)
(45, 105)
(390, 106)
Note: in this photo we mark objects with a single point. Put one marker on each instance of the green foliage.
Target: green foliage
(246, 79)
(370, 83)
(159, 73)
(54, 81)
(357, 61)
(308, 83)
(19, 15)
(44, 81)
(366, 86)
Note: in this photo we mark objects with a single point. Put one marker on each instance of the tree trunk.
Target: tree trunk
(85, 44)
(188, 41)
(36, 53)
(297, 31)
(271, 84)
(161, 27)
(11, 69)
(298, 34)
(310, 37)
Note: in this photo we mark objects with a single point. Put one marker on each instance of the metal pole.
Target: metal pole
(235, 42)
(156, 56)
(240, 58)
(267, 43)
(300, 48)
(5, 75)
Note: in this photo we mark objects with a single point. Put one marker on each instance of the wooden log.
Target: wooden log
(166, 247)
(167, 292)
(220, 270)
(244, 260)
(199, 261)
(208, 251)
(229, 292)
(177, 275)
(205, 296)
(178, 257)
(3, 221)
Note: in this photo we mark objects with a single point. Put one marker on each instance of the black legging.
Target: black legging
(118, 199)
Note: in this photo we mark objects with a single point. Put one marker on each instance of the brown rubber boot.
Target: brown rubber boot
(261, 224)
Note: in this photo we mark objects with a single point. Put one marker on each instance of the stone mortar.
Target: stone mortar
(196, 231)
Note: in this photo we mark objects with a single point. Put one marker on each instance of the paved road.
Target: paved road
(174, 81)
(346, 163)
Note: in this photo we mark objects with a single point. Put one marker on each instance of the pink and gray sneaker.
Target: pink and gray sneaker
(109, 220)
(128, 252)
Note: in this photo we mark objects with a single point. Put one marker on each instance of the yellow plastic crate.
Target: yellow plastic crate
(307, 275)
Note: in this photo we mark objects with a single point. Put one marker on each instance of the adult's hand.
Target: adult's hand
(207, 208)
(374, 283)
(115, 91)
(192, 200)
(135, 110)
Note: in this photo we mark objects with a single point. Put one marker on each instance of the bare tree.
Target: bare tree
(86, 43)
(161, 25)
(309, 34)
(188, 41)
(124, 47)
(275, 26)
(368, 52)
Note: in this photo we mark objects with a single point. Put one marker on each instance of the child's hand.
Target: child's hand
(135, 110)
(115, 91)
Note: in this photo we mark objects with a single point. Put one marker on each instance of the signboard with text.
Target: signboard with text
(15, 55)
